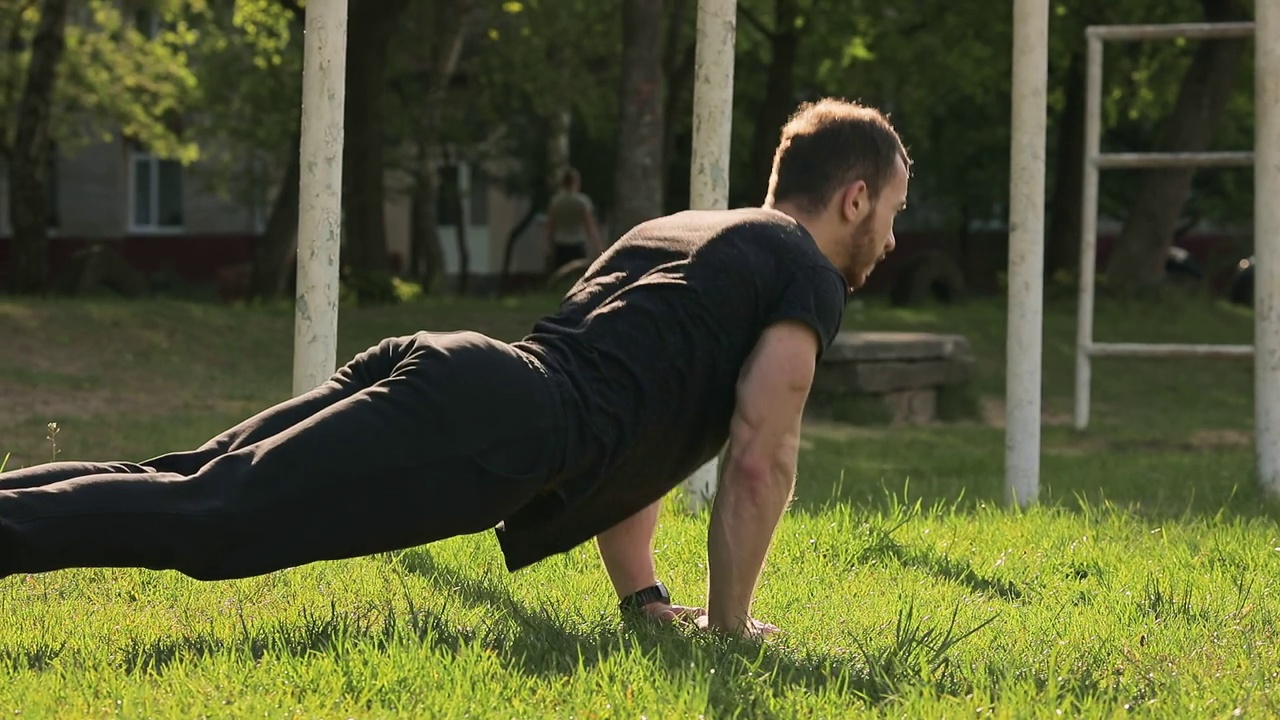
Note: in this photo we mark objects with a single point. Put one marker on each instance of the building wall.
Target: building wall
(491, 215)
(93, 193)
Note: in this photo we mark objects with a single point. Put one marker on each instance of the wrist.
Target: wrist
(636, 601)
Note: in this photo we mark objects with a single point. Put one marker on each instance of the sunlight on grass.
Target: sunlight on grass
(1145, 584)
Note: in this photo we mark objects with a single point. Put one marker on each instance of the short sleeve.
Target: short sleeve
(816, 297)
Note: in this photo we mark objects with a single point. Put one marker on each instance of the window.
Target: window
(155, 193)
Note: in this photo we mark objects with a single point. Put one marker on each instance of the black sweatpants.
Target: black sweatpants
(417, 439)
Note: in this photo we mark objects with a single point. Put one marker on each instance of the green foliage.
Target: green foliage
(116, 79)
(248, 107)
(530, 61)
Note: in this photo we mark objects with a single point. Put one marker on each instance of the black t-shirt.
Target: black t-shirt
(648, 348)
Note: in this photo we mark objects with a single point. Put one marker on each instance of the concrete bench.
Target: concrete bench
(894, 377)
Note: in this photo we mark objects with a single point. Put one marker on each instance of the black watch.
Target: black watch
(636, 601)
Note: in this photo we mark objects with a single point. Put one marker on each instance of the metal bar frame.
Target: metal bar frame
(1095, 161)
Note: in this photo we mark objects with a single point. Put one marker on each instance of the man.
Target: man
(692, 330)
(571, 223)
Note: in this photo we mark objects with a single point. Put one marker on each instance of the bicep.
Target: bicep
(772, 389)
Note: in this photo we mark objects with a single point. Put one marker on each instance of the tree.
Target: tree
(64, 83)
(249, 61)
(638, 183)
(523, 77)
(425, 61)
(1137, 264)
(29, 159)
(370, 27)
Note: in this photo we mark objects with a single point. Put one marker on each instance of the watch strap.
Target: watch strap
(636, 601)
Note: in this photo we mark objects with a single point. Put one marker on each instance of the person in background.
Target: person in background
(571, 224)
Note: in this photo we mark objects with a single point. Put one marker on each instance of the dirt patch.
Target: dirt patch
(1208, 440)
(24, 403)
(840, 432)
(992, 412)
(1217, 439)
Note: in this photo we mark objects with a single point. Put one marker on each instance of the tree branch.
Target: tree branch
(293, 7)
(754, 21)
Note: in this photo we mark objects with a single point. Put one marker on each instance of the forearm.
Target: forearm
(746, 512)
(627, 551)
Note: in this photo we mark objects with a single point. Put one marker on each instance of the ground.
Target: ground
(1144, 585)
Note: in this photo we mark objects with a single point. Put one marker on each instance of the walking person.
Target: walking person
(571, 224)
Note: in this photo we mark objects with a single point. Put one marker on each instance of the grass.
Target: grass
(1145, 585)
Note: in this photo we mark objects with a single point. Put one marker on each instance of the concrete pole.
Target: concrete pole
(1026, 251)
(709, 169)
(1266, 214)
(315, 334)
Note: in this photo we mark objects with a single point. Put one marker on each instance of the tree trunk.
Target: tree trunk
(32, 143)
(1063, 248)
(638, 178)
(369, 30)
(779, 96)
(1136, 266)
(539, 197)
(427, 258)
(458, 200)
(448, 22)
(679, 55)
(281, 233)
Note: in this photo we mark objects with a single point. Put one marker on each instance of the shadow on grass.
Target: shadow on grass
(741, 678)
(745, 678)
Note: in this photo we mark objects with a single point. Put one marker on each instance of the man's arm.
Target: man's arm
(760, 468)
(627, 551)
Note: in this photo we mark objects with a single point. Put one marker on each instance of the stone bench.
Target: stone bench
(894, 377)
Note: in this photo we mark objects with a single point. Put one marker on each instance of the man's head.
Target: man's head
(570, 181)
(841, 171)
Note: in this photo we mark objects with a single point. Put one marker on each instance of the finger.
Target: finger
(686, 611)
(661, 612)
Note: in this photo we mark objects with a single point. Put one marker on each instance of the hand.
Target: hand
(674, 613)
(753, 628)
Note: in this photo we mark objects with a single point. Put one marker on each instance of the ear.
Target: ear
(855, 201)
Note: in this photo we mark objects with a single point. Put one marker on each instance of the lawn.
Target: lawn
(1145, 585)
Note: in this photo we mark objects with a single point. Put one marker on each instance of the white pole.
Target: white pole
(1266, 213)
(1026, 250)
(315, 334)
(709, 170)
(1088, 230)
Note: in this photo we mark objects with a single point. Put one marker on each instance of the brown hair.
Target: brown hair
(569, 178)
(831, 143)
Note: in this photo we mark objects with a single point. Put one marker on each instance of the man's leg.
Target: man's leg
(399, 464)
(53, 472)
(363, 371)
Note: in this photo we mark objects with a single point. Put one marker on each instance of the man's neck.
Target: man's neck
(813, 225)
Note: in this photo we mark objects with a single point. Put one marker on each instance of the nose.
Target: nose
(890, 244)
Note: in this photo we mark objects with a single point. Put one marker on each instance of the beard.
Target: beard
(863, 252)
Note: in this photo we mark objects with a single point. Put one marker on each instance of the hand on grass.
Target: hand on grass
(673, 613)
(753, 628)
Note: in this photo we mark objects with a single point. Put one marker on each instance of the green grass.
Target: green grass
(1146, 584)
